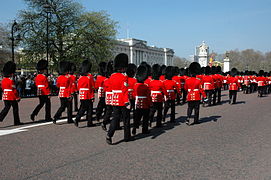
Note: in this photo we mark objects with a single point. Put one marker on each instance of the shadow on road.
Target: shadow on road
(208, 119)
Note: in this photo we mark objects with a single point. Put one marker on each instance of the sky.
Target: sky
(182, 24)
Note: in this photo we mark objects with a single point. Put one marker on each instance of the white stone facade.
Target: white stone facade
(202, 54)
(226, 66)
(139, 51)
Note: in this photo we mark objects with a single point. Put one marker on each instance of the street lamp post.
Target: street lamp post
(47, 9)
(12, 39)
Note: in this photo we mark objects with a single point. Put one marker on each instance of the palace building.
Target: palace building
(139, 51)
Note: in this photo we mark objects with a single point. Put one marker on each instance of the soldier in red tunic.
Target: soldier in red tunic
(142, 95)
(208, 84)
(108, 95)
(64, 85)
(177, 79)
(157, 93)
(171, 88)
(233, 86)
(101, 93)
(131, 71)
(183, 77)
(86, 94)
(195, 91)
(261, 81)
(10, 94)
(43, 91)
(120, 102)
(74, 90)
(219, 83)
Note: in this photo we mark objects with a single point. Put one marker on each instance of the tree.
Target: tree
(4, 45)
(73, 34)
(181, 62)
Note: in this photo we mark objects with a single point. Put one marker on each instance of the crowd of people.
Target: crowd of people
(125, 92)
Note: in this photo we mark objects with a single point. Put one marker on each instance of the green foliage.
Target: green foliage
(73, 34)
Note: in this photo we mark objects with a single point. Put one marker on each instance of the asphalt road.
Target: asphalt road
(231, 142)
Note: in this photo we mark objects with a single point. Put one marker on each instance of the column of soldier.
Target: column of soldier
(125, 89)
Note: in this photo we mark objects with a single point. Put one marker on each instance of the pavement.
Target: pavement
(231, 142)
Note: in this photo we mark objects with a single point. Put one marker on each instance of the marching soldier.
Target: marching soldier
(86, 94)
(120, 102)
(171, 88)
(74, 89)
(233, 86)
(10, 94)
(64, 85)
(261, 80)
(142, 97)
(101, 94)
(157, 93)
(194, 93)
(208, 84)
(43, 91)
(108, 95)
(131, 71)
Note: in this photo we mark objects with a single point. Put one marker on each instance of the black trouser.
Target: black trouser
(15, 107)
(85, 107)
(193, 105)
(101, 107)
(214, 96)
(218, 90)
(118, 112)
(178, 98)
(108, 113)
(75, 101)
(233, 95)
(261, 90)
(157, 106)
(139, 113)
(170, 104)
(209, 96)
(43, 100)
(184, 95)
(65, 103)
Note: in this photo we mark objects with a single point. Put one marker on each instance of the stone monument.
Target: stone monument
(226, 66)
(202, 54)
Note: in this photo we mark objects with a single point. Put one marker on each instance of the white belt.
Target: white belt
(117, 91)
(207, 83)
(141, 97)
(130, 90)
(193, 90)
(107, 93)
(101, 88)
(156, 91)
(84, 89)
(39, 86)
(62, 87)
(7, 89)
(260, 81)
(170, 90)
(232, 83)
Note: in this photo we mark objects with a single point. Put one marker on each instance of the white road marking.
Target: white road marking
(25, 128)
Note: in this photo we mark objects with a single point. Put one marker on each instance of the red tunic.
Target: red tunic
(162, 77)
(194, 89)
(108, 92)
(85, 88)
(261, 81)
(219, 80)
(147, 81)
(99, 85)
(233, 83)
(131, 84)
(142, 95)
(158, 90)
(246, 80)
(171, 89)
(208, 82)
(42, 84)
(73, 83)
(177, 79)
(63, 82)
(9, 90)
(119, 87)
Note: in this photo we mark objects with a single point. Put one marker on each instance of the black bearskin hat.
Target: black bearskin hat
(131, 70)
(261, 72)
(169, 72)
(194, 68)
(102, 68)
(233, 72)
(85, 67)
(9, 68)
(63, 67)
(109, 68)
(207, 70)
(163, 69)
(218, 69)
(182, 72)
(156, 71)
(120, 61)
(213, 70)
(141, 74)
(176, 71)
(72, 68)
(42, 65)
